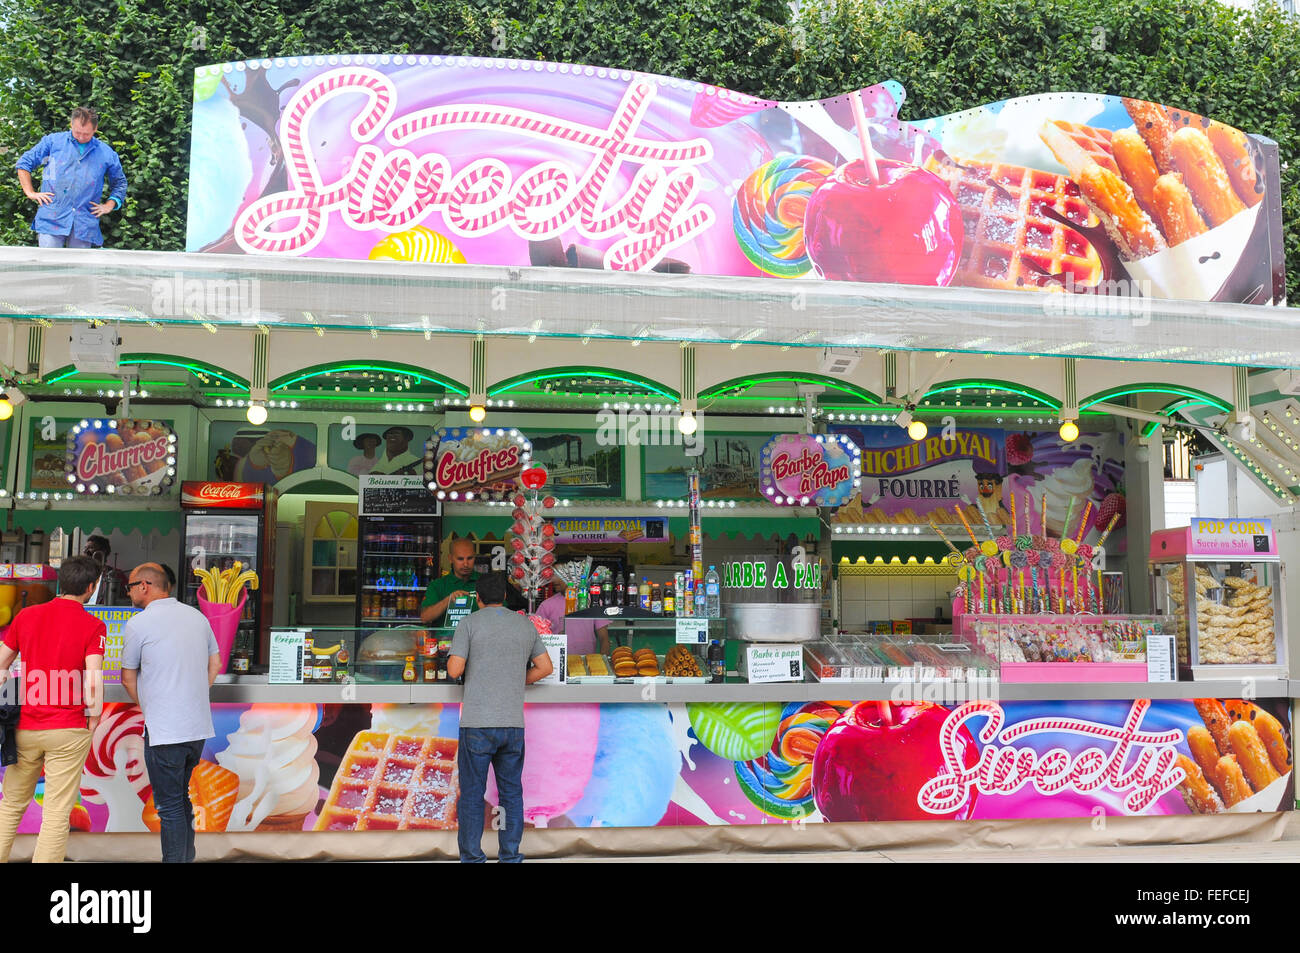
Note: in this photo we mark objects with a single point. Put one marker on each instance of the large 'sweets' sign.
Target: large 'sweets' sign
(474, 462)
(121, 456)
(509, 162)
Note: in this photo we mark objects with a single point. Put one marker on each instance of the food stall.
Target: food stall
(496, 312)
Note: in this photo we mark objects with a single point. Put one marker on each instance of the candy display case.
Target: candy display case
(1065, 648)
(897, 658)
(1222, 583)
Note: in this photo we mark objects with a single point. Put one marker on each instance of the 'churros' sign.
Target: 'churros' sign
(133, 457)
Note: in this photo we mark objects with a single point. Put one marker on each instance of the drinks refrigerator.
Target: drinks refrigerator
(399, 533)
(225, 523)
(398, 558)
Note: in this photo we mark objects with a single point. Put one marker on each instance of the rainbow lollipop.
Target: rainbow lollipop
(768, 215)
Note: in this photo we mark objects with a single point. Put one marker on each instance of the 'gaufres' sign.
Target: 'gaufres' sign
(121, 456)
(474, 462)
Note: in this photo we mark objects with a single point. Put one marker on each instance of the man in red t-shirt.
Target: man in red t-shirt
(62, 650)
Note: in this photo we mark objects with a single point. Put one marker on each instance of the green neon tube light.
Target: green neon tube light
(446, 384)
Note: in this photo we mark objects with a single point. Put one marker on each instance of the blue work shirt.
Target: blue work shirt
(76, 179)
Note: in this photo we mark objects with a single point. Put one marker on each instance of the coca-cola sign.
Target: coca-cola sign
(128, 457)
(213, 495)
(468, 463)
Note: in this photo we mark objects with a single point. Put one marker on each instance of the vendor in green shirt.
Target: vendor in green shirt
(444, 590)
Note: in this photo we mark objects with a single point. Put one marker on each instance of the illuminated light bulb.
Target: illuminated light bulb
(256, 413)
(917, 429)
(1069, 431)
(477, 413)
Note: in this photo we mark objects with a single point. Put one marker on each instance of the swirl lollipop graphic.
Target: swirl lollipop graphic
(769, 212)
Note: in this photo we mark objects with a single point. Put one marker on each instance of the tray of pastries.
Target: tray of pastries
(590, 669)
(683, 667)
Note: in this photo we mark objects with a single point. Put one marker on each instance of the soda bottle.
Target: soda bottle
(644, 594)
(717, 663)
(670, 599)
(607, 592)
(619, 594)
(570, 601)
(594, 596)
(656, 599)
(713, 594)
(582, 599)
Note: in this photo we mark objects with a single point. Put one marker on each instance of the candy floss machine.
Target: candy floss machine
(773, 598)
(1221, 581)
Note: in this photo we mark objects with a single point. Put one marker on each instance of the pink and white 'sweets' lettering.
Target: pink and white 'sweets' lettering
(1004, 769)
(391, 188)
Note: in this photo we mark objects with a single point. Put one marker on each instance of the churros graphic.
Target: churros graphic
(1241, 750)
(1230, 144)
(1170, 178)
(1174, 210)
(1153, 125)
(1251, 755)
(1205, 175)
(1230, 782)
(1200, 797)
(1138, 168)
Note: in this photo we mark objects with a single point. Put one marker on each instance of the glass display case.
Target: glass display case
(1037, 647)
(373, 656)
(646, 647)
(1222, 584)
(897, 658)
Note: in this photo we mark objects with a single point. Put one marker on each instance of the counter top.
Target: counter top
(249, 689)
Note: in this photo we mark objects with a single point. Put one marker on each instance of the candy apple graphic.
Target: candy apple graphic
(876, 758)
(904, 226)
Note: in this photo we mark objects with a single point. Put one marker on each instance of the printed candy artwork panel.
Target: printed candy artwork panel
(450, 160)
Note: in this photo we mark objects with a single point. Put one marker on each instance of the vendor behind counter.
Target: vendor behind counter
(442, 591)
(582, 634)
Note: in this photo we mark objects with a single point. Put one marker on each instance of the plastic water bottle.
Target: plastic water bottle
(712, 594)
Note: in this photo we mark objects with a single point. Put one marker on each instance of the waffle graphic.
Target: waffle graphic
(1010, 243)
(393, 783)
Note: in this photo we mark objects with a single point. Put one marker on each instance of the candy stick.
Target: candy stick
(1061, 589)
(1013, 512)
(1083, 522)
(1069, 512)
(1042, 515)
(864, 136)
(1101, 594)
(1106, 535)
(964, 522)
(987, 525)
(935, 526)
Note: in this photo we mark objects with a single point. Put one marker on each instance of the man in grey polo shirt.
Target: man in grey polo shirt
(169, 661)
(498, 652)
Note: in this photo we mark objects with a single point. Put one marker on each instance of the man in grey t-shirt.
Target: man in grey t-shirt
(169, 661)
(498, 652)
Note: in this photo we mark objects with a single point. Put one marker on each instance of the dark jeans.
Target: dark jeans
(169, 768)
(503, 749)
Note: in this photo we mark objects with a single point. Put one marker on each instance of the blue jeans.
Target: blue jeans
(61, 241)
(503, 749)
(169, 768)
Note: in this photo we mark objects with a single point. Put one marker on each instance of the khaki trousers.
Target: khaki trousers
(62, 753)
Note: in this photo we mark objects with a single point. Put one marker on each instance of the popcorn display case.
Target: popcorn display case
(1222, 582)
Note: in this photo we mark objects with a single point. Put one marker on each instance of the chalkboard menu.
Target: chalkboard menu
(396, 496)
